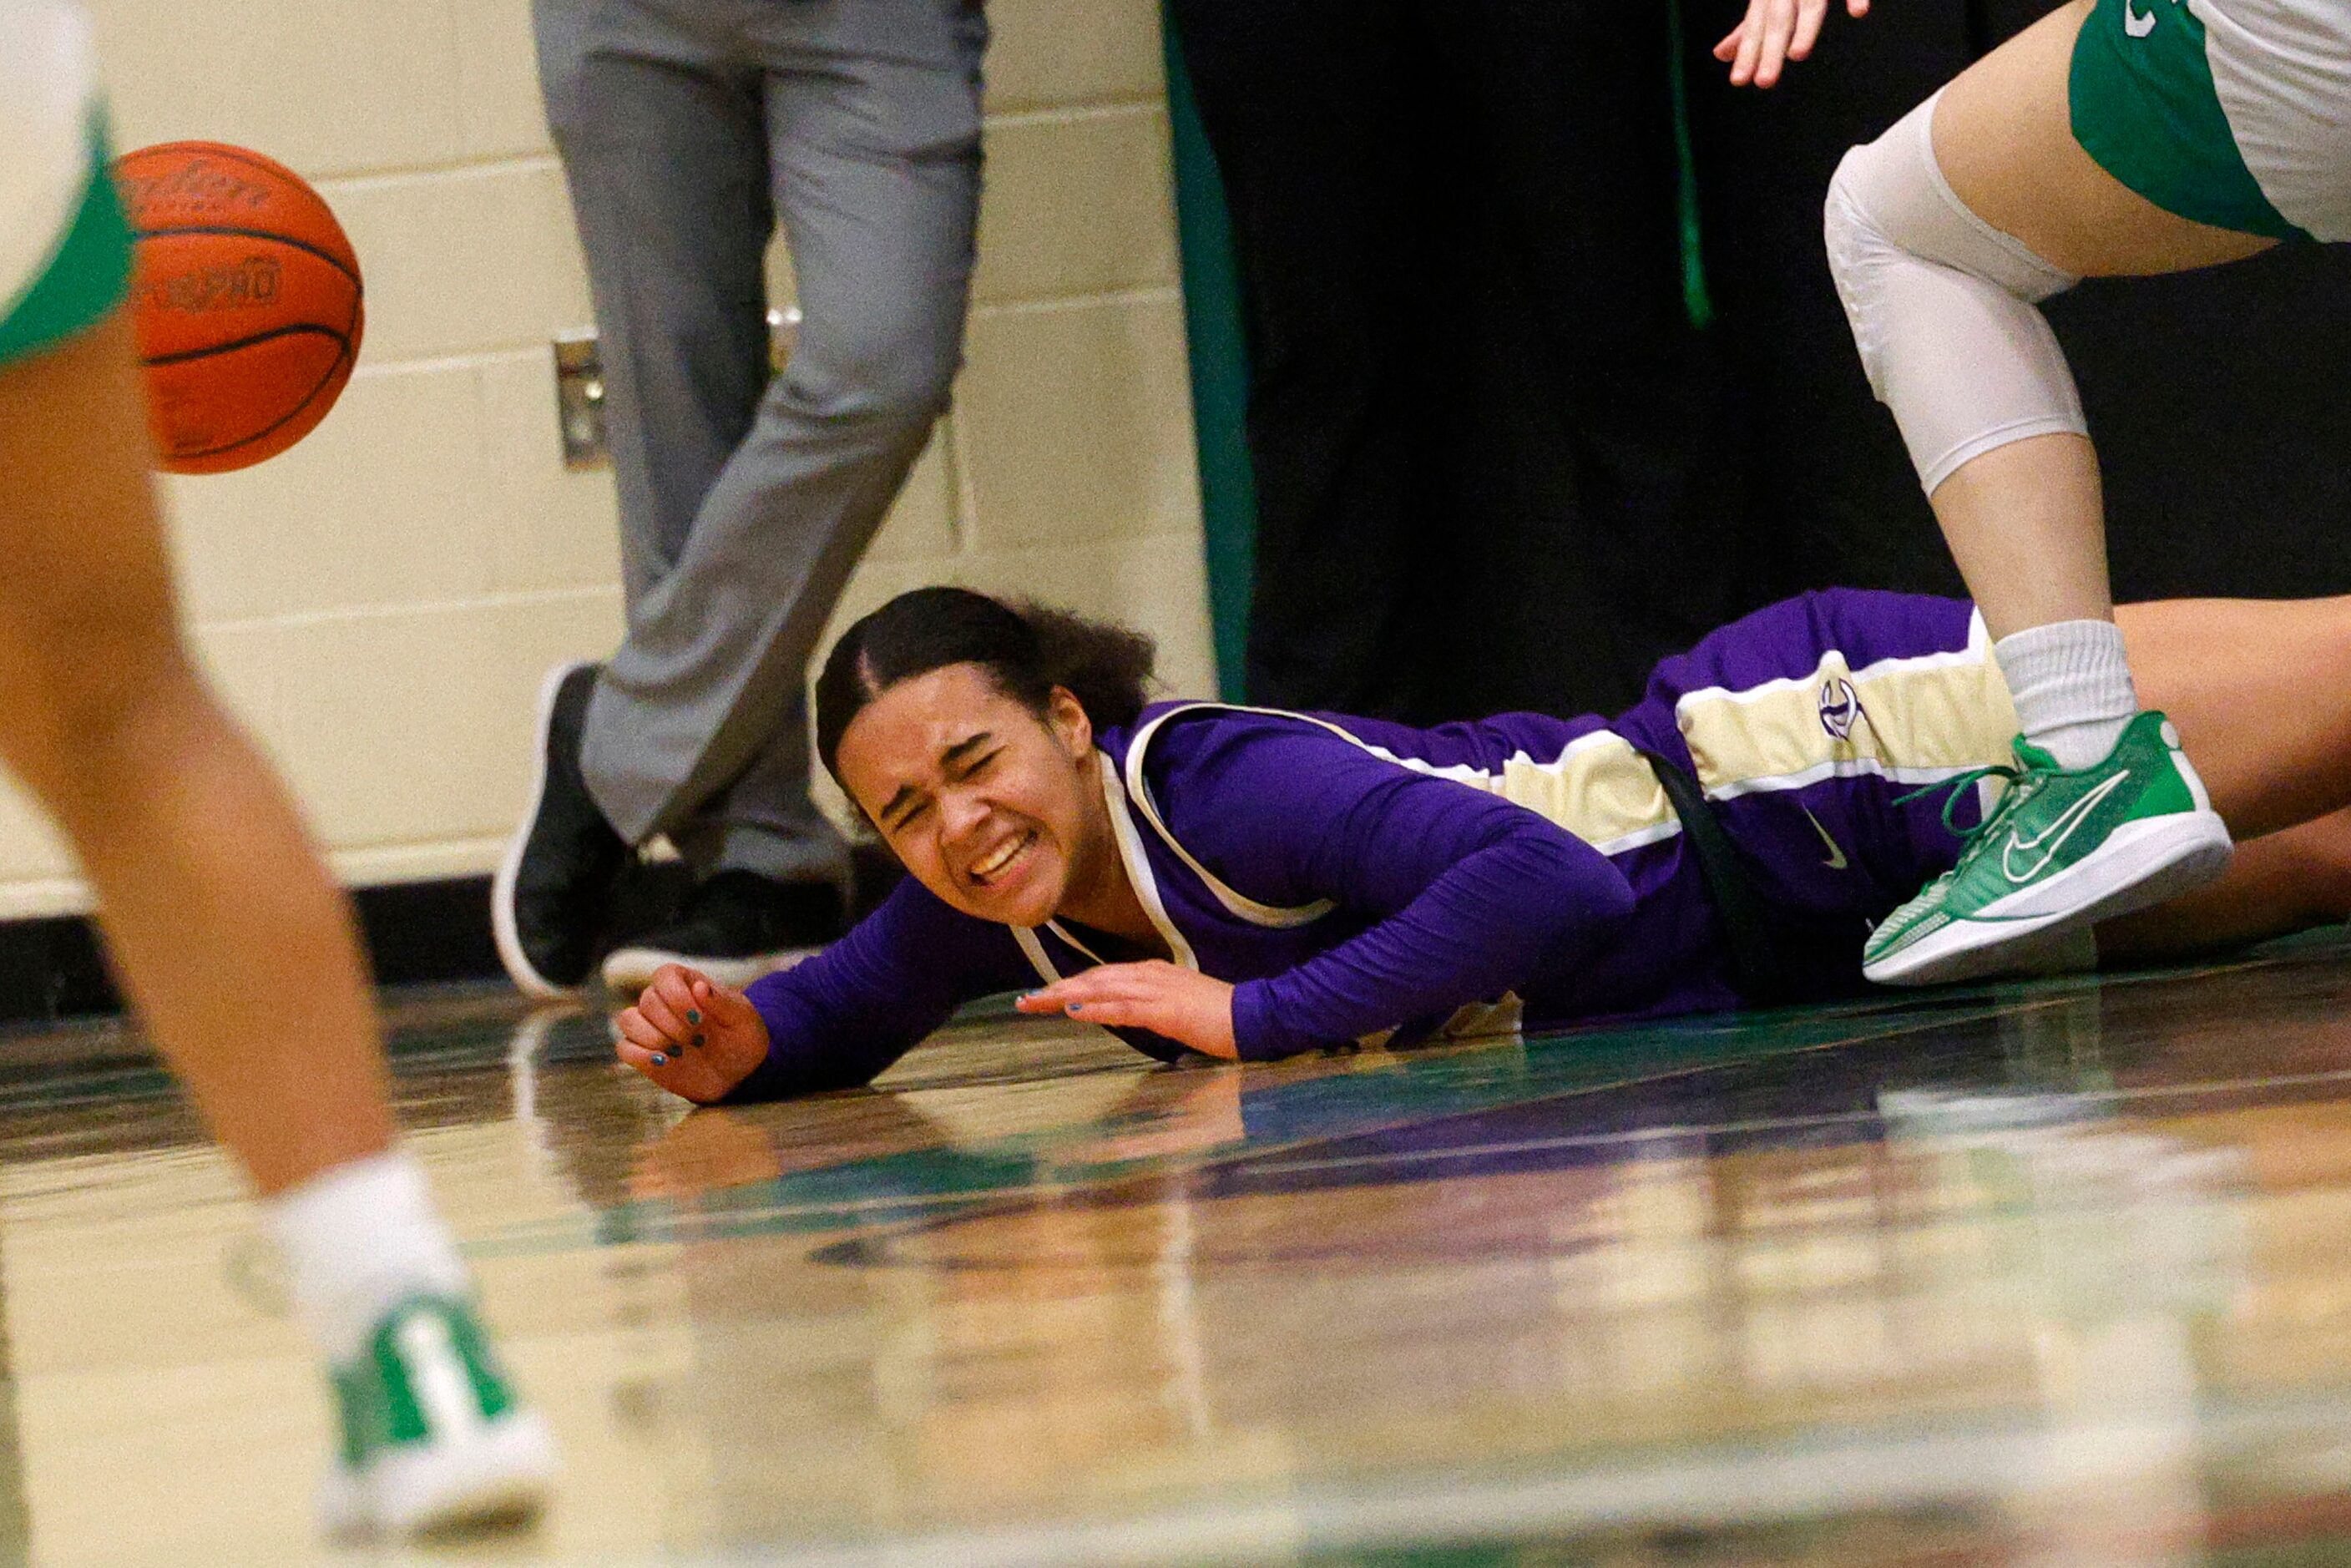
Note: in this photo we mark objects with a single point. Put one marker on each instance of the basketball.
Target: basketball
(245, 298)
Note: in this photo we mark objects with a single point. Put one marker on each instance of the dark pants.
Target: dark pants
(687, 130)
(1487, 442)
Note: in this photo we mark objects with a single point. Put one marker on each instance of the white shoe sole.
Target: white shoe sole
(2140, 864)
(526, 980)
(494, 1476)
(628, 970)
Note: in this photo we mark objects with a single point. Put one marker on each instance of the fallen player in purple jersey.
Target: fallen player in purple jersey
(1251, 885)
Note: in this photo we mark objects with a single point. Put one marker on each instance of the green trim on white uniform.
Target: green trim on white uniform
(89, 274)
(2143, 106)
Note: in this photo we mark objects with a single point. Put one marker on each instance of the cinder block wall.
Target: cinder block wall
(380, 603)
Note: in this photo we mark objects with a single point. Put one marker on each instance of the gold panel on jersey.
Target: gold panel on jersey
(1920, 719)
(1599, 790)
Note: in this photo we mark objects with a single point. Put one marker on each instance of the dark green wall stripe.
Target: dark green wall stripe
(1220, 352)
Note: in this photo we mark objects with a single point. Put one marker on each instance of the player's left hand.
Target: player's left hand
(1775, 32)
(693, 1035)
(1182, 1005)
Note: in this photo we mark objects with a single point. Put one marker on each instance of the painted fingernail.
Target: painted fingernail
(659, 1060)
(693, 1017)
(1077, 1006)
(698, 1040)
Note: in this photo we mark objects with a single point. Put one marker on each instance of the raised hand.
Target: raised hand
(1775, 32)
(1179, 1004)
(691, 1035)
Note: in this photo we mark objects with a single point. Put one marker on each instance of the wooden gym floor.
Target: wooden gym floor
(2057, 1274)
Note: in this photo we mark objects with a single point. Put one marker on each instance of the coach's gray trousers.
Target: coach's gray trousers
(686, 129)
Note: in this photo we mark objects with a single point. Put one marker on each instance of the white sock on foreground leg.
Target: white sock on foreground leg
(358, 1239)
(434, 1438)
(2072, 687)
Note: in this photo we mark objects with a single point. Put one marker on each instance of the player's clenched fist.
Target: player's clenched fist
(691, 1035)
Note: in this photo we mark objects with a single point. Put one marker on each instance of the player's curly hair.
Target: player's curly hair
(1026, 649)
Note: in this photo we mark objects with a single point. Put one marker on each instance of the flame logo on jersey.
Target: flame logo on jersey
(1840, 707)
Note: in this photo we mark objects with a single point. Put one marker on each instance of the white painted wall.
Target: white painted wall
(380, 602)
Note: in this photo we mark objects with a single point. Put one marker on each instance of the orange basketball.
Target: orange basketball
(245, 298)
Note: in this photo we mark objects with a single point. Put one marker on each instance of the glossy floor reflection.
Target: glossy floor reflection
(2057, 1274)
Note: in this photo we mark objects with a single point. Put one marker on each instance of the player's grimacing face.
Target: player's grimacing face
(982, 799)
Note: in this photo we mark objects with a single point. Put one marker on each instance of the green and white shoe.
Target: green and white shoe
(2059, 851)
(433, 1435)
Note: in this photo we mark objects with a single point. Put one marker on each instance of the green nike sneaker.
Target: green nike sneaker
(433, 1437)
(2059, 851)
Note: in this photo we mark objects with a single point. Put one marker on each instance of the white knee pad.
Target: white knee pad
(1942, 306)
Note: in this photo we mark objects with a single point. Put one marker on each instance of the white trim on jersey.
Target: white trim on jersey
(1138, 868)
(1040, 961)
(1560, 790)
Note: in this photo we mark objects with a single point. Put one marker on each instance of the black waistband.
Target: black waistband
(1756, 966)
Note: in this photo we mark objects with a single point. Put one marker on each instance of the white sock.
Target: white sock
(356, 1239)
(2072, 687)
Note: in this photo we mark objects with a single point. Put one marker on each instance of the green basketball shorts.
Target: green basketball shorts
(2235, 113)
(64, 248)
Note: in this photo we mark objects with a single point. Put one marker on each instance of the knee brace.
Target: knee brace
(1942, 306)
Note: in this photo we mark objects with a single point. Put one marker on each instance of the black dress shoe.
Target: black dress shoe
(736, 927)
(553, 893)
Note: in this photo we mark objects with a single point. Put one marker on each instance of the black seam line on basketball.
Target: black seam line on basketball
(233, 155)
(341, 342)
(327, 256)
(262, 166)
(275, 425)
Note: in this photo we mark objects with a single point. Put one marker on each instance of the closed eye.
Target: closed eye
(915, 808)
(959, 764)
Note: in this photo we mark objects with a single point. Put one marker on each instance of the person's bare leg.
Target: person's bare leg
(231, 940)
(1945, 234)
(2287, 881)
(235, 946)
(2261, 692)
(2026, 522)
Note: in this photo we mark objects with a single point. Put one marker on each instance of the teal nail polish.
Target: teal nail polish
(693, 1017)
(698, 1040)
(659, 1060)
